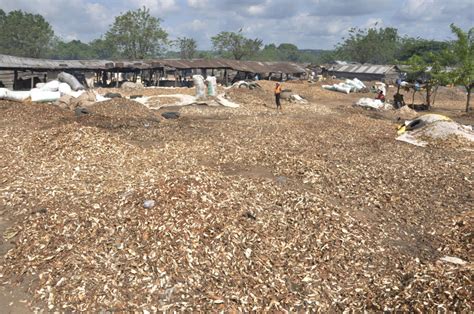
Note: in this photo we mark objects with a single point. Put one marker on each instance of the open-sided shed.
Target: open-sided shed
(366, 72)
(148, 69)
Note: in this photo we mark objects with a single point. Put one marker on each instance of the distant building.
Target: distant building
(366, 72)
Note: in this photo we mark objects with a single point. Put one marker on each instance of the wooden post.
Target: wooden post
(117, 79)
(15, 79)
(32, 80)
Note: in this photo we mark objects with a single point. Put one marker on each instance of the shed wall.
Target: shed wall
(7, 78)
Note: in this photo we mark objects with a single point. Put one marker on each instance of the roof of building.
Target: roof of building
(20, 63)
(364, 68)
(12, 62)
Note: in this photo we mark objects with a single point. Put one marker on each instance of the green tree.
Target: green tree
(288, 52)
(73, 50)
(235, 45)
(462, 55)
(268, 53)
(418, 46)
(24, 34)
(430, 70)
(373, 45)
(103, 49)
(137, 35)
(187, 47)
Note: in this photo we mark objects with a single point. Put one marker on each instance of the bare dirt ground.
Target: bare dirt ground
(315, 208)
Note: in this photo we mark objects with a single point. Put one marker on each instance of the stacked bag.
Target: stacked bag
(66, 84)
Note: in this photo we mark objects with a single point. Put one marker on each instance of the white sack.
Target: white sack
(71, 80)
(15, 95)
(200, 87)
(370, 103)
(211, 85)
(64, 89)
(38, 95)
(52, 86)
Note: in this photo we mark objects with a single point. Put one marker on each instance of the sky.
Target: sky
(309, 24)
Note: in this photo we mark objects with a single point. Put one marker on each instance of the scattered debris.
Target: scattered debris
(113, 95)
(81, 111)
(149, 204)
(453, 260)
(298, 99)
(170, 115)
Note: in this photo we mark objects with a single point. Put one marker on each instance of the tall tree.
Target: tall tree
(288, 52)
(103, 49)
(373, 45)
(137, 34)
(268, 53)
(24, 34)
(429, 70)
(410, 46)
(462, 55)
(73, 50)
(235, 45)
(187, 47)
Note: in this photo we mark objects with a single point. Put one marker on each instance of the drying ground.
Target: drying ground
(315, 208)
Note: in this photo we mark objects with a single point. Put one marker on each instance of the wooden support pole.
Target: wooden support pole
(15, 79)
(32, 80)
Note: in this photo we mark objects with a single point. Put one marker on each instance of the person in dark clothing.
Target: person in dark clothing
(278, 95)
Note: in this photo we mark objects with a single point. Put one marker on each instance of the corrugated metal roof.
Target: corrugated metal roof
(244, 66)
(364, 68)
(19, 63)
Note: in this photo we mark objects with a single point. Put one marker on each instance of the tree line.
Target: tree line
(137, 34)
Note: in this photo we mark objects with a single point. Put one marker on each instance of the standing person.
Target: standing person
(278, 95)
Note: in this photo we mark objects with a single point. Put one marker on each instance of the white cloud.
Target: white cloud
(157, 7)
(307, 23)
(198, 25)
(198, 4)
(349, 7)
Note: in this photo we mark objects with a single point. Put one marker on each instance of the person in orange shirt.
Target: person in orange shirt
(278, 95)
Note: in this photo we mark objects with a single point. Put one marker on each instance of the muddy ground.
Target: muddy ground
(315, 208)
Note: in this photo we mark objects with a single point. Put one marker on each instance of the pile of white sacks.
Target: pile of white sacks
(349, 86)
(66, 84)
